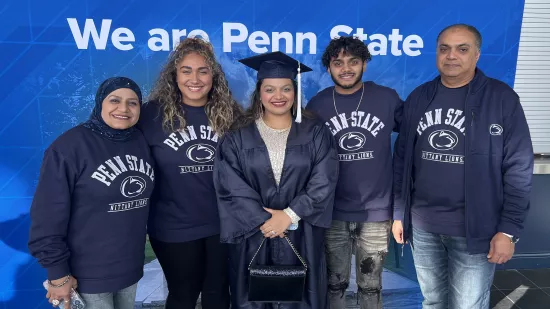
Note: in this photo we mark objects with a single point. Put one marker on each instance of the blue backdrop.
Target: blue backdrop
(50, 69)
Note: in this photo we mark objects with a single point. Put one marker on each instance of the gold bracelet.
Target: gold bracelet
(62, 284)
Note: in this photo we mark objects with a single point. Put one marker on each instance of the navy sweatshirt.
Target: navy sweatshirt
(184, 206)
(498, 160)
(438, 171)
(363, 134)
(90, 209)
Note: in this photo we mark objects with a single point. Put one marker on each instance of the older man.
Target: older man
(463, 165)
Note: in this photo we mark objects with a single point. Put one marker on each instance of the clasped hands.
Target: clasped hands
(277, 225)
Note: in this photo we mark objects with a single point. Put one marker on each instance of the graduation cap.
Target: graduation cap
(279, 65)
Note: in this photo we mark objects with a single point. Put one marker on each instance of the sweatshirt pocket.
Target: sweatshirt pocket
(486, 135)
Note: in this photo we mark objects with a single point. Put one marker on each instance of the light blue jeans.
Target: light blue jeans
(450, 277)
(122, 299)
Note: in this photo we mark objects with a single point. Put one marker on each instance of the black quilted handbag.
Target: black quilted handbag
(276, 283)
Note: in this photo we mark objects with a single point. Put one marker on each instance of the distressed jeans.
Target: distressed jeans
(450, 277)
(369, 242)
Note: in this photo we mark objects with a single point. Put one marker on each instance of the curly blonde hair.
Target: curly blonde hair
(221, 108)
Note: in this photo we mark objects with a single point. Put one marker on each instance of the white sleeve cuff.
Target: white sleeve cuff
(293, 216)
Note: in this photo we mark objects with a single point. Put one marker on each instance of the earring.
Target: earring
(261, 110)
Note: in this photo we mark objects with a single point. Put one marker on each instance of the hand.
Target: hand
(397, 231)
(62, 294)
(502, 249)
(277, 225)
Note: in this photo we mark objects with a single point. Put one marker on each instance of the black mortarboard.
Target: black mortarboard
(278, 65)
(275, 65)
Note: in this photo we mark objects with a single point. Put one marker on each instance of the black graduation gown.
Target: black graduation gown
(245, 183)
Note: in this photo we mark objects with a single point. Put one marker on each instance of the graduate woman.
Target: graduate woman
(90, 209)
(275, 176)
(189, 109)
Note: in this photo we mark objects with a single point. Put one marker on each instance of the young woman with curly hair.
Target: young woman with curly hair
(190, 107)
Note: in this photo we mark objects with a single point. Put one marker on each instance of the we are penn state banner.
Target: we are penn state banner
(55, 53)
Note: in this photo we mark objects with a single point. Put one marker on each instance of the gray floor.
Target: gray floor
(512, 289)
(521, 289)
(398, 292)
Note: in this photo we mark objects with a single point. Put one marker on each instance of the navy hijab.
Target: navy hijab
(96, 122)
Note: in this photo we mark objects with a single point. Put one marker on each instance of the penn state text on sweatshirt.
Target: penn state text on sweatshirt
(184, 206)
(438, 168)
(90, 209)
(362, 128)
(498, 160)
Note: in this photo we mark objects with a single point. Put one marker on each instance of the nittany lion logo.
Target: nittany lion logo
(495, 129)
(201, 153)
(352, 141)
(443, 140)
(132, 186)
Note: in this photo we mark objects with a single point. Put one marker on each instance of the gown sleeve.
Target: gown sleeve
(315, 202)
(240, 206)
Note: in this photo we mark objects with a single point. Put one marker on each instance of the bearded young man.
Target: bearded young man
(361, 117)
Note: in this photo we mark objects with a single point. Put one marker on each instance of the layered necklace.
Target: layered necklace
(360, 100)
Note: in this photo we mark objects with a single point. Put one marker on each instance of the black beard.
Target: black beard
(357, 81)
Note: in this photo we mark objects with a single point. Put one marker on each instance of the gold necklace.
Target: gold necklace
(360, 100)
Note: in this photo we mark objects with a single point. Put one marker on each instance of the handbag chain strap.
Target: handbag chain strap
(291, 246)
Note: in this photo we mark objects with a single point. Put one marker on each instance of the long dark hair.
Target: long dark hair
(255, 110)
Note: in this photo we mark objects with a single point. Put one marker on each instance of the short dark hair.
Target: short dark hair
(470, 28)
(349, 44)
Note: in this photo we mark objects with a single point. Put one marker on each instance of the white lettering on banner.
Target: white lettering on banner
(229, 39)
(160, 39)
(311, 37)
(81, 38)
(159, 43)
(123, 35)
(379, 44)
(234, 34)
(288, 41)
(119, 35)
(258, 38)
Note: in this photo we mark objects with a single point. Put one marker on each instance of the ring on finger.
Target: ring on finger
(55, 302)
(273, 233)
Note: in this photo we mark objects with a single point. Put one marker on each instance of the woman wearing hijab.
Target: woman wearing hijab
(189, 109)
(275, 176)
(90, 209)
